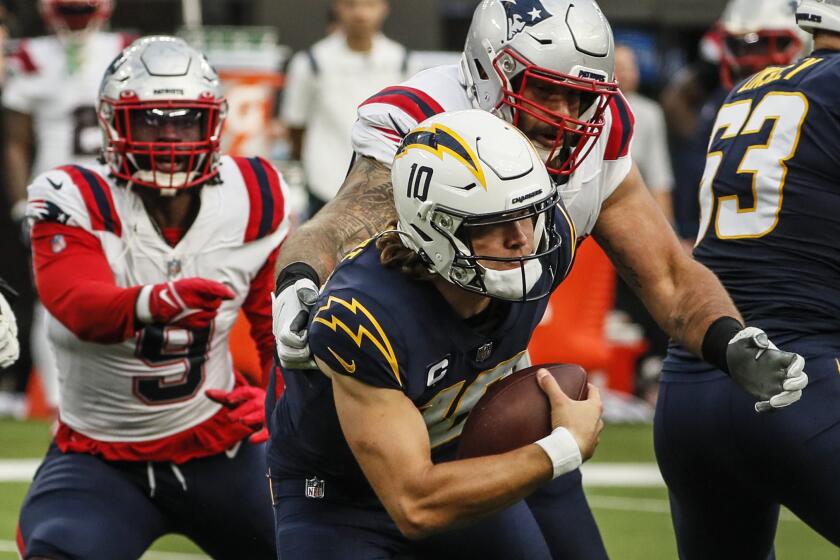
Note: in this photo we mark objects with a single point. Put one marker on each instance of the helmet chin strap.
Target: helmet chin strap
(508, 284)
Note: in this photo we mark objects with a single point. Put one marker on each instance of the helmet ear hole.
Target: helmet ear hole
(482, 73)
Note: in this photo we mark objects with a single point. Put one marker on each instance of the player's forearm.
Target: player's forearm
(362, 208)
(77, 287)
(459, 492)
(687, 302)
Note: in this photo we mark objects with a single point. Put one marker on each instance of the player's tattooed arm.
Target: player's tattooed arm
(363, 207)
(682, 295)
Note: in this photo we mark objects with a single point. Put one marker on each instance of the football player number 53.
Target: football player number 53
(764, 162)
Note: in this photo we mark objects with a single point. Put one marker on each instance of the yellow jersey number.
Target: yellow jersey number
(765, 162)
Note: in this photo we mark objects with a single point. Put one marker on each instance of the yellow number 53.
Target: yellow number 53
(765, 162)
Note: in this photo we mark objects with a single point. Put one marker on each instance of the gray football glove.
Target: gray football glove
(774, 376)
(290, 314)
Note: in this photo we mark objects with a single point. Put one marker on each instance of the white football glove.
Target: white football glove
(9, 345)
(290, 315)
(774, 376)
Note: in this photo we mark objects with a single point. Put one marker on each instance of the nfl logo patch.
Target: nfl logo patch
(58, 243)
(314, 488)
(173, 268)
(483, 352)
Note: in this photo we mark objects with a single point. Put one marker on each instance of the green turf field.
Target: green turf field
(634, 521)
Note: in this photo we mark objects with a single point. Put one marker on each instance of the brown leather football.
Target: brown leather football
(514, 411)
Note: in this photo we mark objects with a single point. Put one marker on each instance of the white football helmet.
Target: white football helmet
(554, 42)
(812, 15)
(461, 170)
(161, 83)
(757, 35)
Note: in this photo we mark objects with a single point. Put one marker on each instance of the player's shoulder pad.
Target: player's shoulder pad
(74, 195)
(267, 204)
(412, 101)
(356, 336)
(622, 122)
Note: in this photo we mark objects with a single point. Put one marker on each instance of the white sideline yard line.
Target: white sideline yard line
(597, 474)
(621, 474)
(18, 470)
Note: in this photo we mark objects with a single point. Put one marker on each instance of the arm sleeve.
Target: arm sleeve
(76, 284)
(297, 95)
(257, 307)
(355, 337)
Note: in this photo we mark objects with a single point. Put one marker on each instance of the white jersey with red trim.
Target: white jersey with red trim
(57, 83)
(387, 116)
(152, 384)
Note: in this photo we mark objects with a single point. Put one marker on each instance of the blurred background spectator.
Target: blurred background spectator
(325, 84)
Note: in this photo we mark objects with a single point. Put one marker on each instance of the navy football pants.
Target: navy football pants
(82, 507)
(555, 523)
(728, 468)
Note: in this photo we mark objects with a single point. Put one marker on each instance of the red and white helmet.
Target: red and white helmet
(75, 16)
(161, 83)
(548, 42)
(756, 35)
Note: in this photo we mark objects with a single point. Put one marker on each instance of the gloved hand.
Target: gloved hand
(9, 345)
(247, 406)
(772, 375)
(297, 292)
(190, 303)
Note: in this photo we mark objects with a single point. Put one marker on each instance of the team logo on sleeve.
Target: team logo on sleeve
(366, 327)
(439, 139)
(46, 211)
(522, 14)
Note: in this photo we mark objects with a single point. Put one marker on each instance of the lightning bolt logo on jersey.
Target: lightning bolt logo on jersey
(367, 330)
(522, 14)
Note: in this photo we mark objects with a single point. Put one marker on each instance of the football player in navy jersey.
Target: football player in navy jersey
(770, 224)
(408, 333)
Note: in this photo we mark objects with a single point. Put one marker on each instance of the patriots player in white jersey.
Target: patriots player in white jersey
(143, 263)
(547, 67)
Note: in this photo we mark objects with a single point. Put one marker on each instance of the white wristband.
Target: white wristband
(141, 308)
(562, 449)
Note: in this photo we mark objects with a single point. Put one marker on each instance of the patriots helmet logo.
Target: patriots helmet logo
(522, 14)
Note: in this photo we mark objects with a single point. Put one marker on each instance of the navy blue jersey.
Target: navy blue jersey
(387, 330)
(770, 197)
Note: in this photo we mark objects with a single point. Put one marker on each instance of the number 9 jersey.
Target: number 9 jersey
(135, 391)
(770, 197)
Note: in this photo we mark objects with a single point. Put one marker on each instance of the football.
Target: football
(515, 412)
